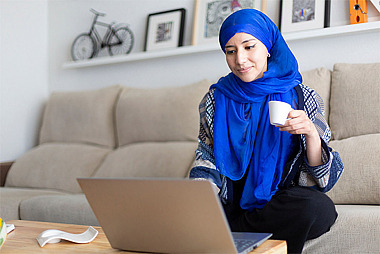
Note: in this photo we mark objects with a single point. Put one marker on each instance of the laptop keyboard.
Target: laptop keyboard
(242, 245)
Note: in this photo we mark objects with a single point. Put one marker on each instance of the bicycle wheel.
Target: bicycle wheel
(121, 42)
(84, 47)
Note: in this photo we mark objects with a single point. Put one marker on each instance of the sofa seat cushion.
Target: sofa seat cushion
(360, 182)
(81, 117)
(320, 80)
(71, 209)
(160, 114)
(354, 103)
(157, 159)
(55, 166)
(10, 199)
(356, 230)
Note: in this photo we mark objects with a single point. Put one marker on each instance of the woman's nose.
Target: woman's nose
(241, 57)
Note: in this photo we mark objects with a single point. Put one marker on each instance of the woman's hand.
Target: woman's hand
(299, 123)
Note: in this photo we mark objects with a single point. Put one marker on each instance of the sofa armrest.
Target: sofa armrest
(4, 168)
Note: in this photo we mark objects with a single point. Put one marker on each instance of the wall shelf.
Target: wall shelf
(333, 31)
(186, 50)
(141, 56)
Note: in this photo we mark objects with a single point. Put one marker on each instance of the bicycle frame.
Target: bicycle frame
(118, 38)
(110, 31)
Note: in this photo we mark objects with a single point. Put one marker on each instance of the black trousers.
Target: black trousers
(296, 214)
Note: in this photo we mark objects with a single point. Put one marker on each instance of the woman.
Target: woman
(269, 178)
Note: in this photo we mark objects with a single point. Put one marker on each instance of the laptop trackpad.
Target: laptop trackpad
(245, 242)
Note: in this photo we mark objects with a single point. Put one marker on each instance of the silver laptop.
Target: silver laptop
(164, 216)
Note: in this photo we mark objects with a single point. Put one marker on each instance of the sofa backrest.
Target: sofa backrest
(355, 100)
(159, 115)
(81, 117)
(157, 132)
(351, 93)
(320, 80)
(77, 133)
(141, 132)
(355, 125)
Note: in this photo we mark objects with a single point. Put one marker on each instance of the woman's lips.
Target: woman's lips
(244, 70)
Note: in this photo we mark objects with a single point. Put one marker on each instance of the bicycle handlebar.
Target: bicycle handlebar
(97, 13)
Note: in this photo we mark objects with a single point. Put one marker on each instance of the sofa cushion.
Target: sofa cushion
(359, 183)
(356, 230)
(55, 166)
(71, 209)
(354, 103)
(320, 80)
(10, 199)
(158, 159)
(81, 117)
(164, 114)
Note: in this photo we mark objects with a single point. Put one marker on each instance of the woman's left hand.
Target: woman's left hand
(299, 123)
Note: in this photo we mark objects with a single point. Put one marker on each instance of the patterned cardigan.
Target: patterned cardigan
(297, 171)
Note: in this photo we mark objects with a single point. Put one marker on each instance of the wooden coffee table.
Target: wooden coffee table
(23, 240)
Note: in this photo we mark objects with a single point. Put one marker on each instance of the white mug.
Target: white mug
(278, 112)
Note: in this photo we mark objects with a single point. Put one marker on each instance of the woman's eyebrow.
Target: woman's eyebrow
(248, 40)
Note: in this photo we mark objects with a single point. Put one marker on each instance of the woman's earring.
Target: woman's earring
(268, 54)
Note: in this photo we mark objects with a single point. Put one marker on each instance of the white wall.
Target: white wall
(353, 48)
(151, 73)
(178, 70)
(52, 25)
(23, 74)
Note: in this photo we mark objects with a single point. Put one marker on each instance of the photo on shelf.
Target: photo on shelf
(376, 3)
(210, 14)
(298, 15)
(165, 30)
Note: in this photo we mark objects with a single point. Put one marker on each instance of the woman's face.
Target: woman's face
(246, 56)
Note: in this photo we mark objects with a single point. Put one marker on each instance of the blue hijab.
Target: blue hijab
(245, 143)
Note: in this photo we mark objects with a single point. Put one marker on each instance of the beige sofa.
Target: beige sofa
(130, 132)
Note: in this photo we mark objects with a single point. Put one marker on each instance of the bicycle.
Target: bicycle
(118, 38)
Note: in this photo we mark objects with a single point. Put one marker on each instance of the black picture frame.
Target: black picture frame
(165, 30)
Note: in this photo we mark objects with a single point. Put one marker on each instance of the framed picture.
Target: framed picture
(165, 29)
(297, 15)
(210, 14)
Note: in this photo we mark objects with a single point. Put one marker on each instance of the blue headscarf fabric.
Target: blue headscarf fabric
(245, 143)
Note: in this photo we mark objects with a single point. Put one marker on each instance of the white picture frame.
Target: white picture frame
(298, 15)
(210, 14)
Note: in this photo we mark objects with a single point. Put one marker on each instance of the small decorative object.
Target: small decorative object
(297, 15)
(55, 236)
(3, 232)
(118, 38)
(358, 11)
(165, 29)
(210, 14)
